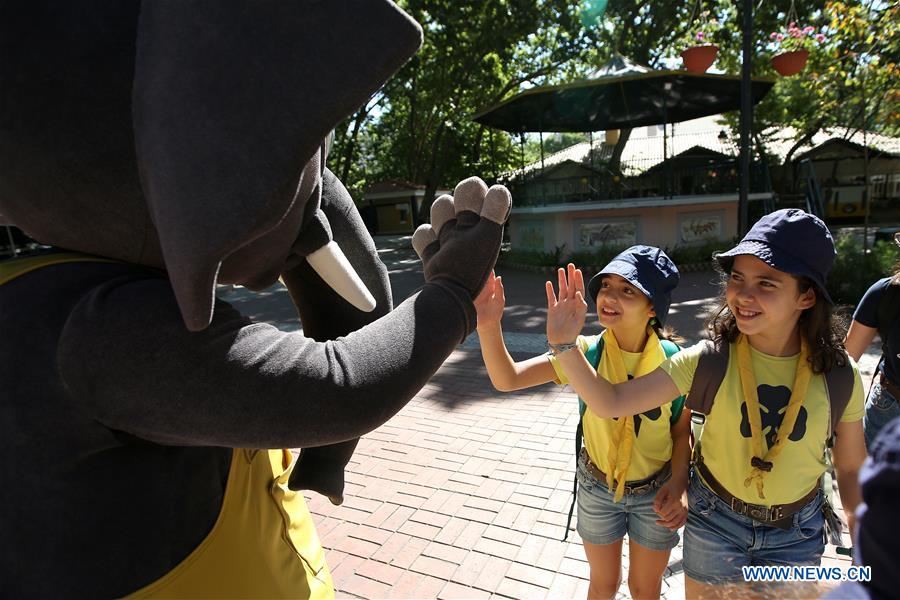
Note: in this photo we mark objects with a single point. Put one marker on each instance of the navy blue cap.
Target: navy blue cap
(792, 241)
(648, 269)
(877, 542)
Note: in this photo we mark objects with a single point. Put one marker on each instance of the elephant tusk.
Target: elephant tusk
(335, 270)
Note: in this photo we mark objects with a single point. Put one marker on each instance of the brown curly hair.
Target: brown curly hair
(823, 328)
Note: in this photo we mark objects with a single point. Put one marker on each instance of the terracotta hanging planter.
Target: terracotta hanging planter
(697, 59)
(790, 63)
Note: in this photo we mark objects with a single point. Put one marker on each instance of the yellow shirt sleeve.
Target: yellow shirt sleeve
(856, 408)
(583, 344)
(682, 365)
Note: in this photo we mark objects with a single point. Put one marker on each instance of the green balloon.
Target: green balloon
(592, 12)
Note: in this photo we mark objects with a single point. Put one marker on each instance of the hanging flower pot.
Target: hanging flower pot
(697, 59)
(790, 63)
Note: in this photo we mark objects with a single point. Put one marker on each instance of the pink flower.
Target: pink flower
(808, 29)
(792, 25)
(779, 37)
(820, 38)
(700, 36)
(773, 35)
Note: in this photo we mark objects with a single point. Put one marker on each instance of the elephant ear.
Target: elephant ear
(231, 101)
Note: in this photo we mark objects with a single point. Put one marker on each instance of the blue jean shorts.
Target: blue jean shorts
(881, 408)
(602, 521)
(718, 541)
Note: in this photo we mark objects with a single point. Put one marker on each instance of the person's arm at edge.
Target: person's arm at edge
(859, 337)
(681, 448)
(671, 500)
(848, 455)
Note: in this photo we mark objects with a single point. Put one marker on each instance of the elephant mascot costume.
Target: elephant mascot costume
(161, 147)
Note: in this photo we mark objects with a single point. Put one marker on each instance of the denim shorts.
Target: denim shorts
(602, 521)
(718, 541)
(881, 407)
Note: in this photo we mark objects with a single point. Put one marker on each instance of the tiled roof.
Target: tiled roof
(644, 148)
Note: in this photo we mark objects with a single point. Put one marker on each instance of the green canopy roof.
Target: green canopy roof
(632, 99)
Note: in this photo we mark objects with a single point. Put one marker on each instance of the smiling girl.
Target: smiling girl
(755, 497)
(624, 460)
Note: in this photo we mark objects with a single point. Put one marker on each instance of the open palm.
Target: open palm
(490, 302)
(566, 314)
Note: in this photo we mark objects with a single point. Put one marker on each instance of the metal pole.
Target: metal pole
(493, 156)
(541, 135)
(665, 165)
(667, 191)
(522, 148)
(746, 118)
(866, 190)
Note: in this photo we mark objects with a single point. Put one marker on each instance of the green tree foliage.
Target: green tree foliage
(850, 79)
(418, 127)
(474, 54)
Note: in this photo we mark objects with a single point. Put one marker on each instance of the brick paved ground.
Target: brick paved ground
(464, 494)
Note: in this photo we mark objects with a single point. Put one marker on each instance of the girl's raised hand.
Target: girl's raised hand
(566, 313)
(490, 302)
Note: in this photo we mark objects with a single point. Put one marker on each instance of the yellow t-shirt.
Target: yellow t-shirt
(726, 442)
(653, 437)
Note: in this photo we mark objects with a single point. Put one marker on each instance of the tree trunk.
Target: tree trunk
(432, 180)
(476, 149)
(789, 156)
(615, 161)
(346, 160)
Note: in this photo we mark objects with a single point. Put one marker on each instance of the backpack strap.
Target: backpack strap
(839, 385)
(592, 354)
(708, 376)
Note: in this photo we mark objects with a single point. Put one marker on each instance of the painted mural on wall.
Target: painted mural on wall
(607, 233)
(531, 235)
(695, 228)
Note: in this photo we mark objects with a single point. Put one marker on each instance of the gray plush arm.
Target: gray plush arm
(127, 359)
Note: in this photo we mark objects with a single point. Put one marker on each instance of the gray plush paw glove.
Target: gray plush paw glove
(463, 241)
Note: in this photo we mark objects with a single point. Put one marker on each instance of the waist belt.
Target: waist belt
(890, 386)
(777, 515)
(632, 488)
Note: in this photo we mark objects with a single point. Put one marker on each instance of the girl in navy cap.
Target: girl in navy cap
(633, 472)
(756, 499)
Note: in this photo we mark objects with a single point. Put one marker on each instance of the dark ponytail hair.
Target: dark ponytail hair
(666, 332)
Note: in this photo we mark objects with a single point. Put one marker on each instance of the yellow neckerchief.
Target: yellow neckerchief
(762, 462)
(612, 369)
